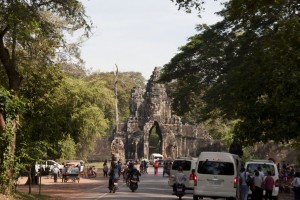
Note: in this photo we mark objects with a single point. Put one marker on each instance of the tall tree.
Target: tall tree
(244, 68)
(126, 81)
(26, 25)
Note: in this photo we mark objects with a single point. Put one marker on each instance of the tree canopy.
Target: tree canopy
(244, 68)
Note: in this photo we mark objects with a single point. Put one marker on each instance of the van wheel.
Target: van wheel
(195, 197)
(275, 197)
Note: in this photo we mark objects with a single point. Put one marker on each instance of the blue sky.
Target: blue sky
(139, 35)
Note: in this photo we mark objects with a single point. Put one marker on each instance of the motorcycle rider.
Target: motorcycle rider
(113, 174)
(132, 170)
(92, 171)
(179, 178)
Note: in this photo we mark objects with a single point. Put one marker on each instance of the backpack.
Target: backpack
(249, 180)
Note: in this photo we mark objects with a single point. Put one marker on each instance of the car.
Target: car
(47, 164)
(154, 157)
(217, 175)
(266, 165)
(187, 164)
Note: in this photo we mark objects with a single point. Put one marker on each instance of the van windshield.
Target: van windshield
(215, 168)
(265, 168)
(186, 165)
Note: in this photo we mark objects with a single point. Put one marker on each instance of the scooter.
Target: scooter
(180, 193)
(133, 185)
(115, 186)
(92, 173)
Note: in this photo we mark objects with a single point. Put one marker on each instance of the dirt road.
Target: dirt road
(61, 190)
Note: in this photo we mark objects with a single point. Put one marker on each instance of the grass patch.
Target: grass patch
(26, 196)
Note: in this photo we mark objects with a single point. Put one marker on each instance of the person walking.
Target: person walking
(145, 167)
(296, 185)
(269, 185)
(257, 193)
(55, 172)
(156, 163)
(244, 187)
(105, 170)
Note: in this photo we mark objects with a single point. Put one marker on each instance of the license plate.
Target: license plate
(215, 182)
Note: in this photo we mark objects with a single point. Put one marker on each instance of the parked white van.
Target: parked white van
(187, 164)
(217, 175)
(154, 157)
(265, 165)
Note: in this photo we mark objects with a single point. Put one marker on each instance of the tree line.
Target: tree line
(50, 106)
(242, 73)
(240, 77)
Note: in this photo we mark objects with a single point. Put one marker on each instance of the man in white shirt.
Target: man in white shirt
(179, 178)
(55, 172)
(261, 173)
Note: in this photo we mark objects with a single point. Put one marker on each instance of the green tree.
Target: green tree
(32, 33)
(245, 68)
(126, 81)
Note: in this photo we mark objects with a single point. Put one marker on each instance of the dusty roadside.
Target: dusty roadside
(61, 190)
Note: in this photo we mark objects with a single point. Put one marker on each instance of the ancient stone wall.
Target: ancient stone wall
(151, 108)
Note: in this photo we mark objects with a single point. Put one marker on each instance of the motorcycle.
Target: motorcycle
(92, 173)
(180, 193)
(115, 186)
(133, 185)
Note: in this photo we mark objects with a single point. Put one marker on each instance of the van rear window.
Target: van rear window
(265, 168)
(215, 168)
(186, 165)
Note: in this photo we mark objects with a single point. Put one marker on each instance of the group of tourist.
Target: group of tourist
(260, 182)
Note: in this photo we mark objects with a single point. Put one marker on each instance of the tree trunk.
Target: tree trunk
(9, 62)
(2, 127)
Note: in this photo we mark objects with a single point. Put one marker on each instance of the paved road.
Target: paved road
(150, 187)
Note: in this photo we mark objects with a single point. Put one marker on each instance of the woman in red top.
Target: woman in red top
(269, 185)
(156, 167)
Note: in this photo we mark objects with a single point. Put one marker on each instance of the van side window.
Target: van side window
(215, 168)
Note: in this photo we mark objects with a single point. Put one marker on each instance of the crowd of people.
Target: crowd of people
(258, 182)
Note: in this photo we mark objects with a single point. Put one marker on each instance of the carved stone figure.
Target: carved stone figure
(117, 150)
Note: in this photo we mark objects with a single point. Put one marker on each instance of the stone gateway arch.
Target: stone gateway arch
(150, 108)
(151, 113)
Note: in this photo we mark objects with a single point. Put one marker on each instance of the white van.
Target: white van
(187, 164)
(154, 157)
(266, 165)
(217, 175)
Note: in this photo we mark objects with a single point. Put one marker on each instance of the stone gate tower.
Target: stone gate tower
(151, 108)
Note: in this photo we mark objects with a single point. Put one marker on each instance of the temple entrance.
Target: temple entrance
(155, 139)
